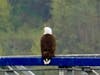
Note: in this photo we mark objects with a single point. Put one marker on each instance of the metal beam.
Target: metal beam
(11, 72)
(60, 60)
(25, 72)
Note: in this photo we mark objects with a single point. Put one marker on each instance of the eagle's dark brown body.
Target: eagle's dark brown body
(48, 46)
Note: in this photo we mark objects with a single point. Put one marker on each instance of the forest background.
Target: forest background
(75, 23)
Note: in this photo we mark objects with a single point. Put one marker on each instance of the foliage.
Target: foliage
(4, 15)
(75, 24)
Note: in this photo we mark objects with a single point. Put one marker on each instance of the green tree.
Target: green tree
(4, 15)
(75, 25)
(31, 13)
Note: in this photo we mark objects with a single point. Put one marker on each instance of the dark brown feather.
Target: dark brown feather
(48, 46)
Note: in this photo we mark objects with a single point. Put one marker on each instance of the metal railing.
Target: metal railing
(21, 70)
(88, 69)
(12, 70)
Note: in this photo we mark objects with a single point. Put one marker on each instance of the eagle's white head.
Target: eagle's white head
(47, 30)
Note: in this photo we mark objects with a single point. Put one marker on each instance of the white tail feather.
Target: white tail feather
(46, 61)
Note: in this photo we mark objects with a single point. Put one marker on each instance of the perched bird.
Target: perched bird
(48, 45)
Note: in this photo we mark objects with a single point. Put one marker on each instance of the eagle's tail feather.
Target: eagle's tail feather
(46, 61)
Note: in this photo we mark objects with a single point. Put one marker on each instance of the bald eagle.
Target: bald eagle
(48, 45)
